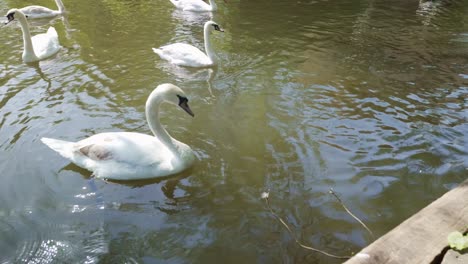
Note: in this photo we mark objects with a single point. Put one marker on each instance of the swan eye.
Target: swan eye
(182, 99)
(10, 16)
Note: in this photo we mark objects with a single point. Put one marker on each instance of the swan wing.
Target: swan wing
(119, 155)
(46, 44)
(196, 5)
(191, 5)
(183, 54)
(124, 147)
(36, 11)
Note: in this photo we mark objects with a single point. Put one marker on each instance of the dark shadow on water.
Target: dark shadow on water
(75, 168)
(170, 185)
(168, 188)
(169, 181)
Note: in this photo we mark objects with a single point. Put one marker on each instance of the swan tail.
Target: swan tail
(157, 51)
(52, 32)
(64, 148)
(175, 2)
(160, 52)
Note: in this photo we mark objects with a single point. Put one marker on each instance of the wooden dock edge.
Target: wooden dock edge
(422, 237)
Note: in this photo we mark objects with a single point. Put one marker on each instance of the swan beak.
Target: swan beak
(216, 27)
(186, 108)
(10, 18)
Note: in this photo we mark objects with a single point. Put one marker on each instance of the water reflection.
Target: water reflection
(43, 21)
(189, 19)
(190, 76)
(39, 71)
(209, 80)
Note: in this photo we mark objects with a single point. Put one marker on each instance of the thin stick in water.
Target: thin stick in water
(265, 196)
(349, 212)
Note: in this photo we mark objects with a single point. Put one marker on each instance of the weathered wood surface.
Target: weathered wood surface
(423, 236)
(454, 257)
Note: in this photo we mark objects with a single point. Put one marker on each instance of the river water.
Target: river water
(366, 97)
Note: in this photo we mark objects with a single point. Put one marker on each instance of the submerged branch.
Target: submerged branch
(265, 196)
(349, 212)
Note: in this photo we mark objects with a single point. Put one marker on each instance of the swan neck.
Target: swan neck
(152, 117)
(213, 5)
(27, 41)
(208, 48)
(60, 6)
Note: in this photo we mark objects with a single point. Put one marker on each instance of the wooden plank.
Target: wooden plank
(423, 236)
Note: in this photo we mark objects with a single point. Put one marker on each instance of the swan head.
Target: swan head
(215, 26)
(14, 13)
(173, 95)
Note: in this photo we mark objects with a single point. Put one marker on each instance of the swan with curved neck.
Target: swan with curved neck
(187, 55)
(35, 11)
(195, 5)
(130, 155)
(38, 47)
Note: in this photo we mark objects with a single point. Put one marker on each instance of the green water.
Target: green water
(366, 97)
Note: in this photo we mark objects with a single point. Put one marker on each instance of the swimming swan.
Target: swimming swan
(187, 55)
(130, 155)
(35, 11)
(195, 5)
(40, 46)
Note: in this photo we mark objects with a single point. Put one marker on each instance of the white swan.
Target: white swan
(195, 5)
(129, 155)
(187, 55)
(35, 11)
(40, 46)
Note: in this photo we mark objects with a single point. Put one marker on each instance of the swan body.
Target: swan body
(130, 155)
(187, 55)
(37, 12)
(195, 5)
(184, 55)
(38, 47)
